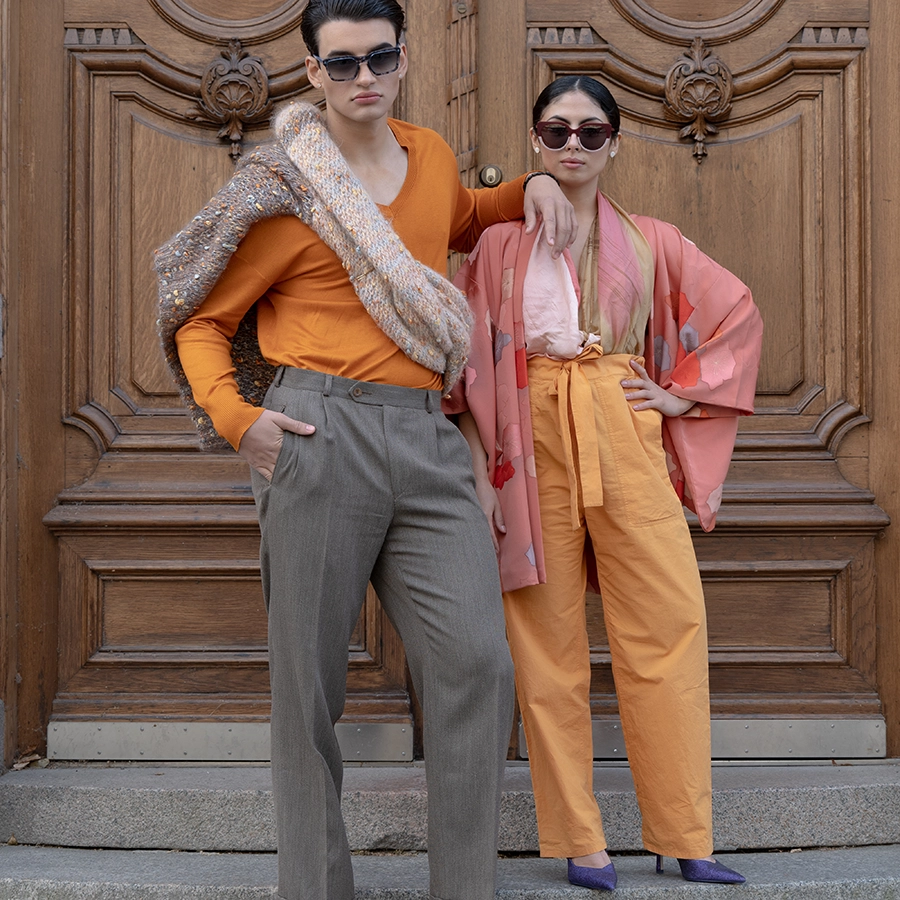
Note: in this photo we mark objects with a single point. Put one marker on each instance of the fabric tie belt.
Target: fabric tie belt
(578, 424)
(576, 415)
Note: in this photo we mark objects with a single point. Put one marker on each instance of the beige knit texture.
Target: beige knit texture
(304, 174)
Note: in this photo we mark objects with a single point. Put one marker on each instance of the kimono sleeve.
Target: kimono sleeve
(704, 342)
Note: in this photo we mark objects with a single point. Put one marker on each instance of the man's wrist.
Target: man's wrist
(534, 175)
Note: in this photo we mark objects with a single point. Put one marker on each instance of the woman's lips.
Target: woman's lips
(366, 98)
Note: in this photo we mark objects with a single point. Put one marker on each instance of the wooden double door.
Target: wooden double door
(133, 624)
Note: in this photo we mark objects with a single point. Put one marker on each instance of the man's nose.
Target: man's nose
(365, 74)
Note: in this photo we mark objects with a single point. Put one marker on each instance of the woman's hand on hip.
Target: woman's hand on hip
(262, 441)
(651, 396)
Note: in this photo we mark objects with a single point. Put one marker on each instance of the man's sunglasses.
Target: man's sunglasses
(591, 136)
(346, 68)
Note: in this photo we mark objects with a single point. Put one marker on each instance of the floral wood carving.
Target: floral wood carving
(699, 88)
(234, 93)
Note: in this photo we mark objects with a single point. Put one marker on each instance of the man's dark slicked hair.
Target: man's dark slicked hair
(318, 12)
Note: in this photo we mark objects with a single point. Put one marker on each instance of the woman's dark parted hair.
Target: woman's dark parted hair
(318, 12)
(583, 84)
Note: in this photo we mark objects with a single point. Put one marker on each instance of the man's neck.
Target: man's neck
(374, 155)
(361, 143)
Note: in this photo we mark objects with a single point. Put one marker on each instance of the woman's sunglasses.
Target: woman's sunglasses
(591, 136)
(346, 68)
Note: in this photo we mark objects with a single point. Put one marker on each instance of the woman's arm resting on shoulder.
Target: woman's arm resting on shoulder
(545, 201)
(487, 496)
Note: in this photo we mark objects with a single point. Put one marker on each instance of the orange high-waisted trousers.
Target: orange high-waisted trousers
(592, 448)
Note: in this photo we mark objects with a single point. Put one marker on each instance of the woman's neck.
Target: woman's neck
(583, 198)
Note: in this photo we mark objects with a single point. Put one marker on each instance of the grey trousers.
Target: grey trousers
(383, 491)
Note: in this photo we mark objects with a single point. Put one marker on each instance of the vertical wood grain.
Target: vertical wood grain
(7, 500)
(502, 88)
(35, 359)
(425, 87)
(885, 428)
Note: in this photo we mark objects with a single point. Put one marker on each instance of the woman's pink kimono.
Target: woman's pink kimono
(703, 343)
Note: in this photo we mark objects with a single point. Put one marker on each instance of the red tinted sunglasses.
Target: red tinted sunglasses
(591, 136)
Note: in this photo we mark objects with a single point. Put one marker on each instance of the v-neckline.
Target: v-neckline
(391, 209)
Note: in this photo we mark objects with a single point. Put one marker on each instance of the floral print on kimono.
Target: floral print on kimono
(703, 343)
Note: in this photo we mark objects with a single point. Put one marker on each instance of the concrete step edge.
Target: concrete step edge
(33, 873)
(230, 809)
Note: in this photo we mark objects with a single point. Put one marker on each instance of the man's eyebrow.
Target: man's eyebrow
(383, 46)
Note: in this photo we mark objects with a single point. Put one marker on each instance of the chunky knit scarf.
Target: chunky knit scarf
(304, 174)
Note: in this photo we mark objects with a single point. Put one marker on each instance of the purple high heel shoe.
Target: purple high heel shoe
(597, 879)
(704, 870)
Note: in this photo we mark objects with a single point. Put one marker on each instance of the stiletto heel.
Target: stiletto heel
(704, 871)
(597, 879)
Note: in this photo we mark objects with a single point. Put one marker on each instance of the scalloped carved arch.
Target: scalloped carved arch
(742, 21)
(210, 29)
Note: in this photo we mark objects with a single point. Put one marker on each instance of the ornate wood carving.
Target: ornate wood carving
(825, 36)
(582, 35)
(234, 93)
(100, 37)
(699, 88)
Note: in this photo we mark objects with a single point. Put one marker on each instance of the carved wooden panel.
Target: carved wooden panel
(161, 612)
(168, 625)
(462, 85)
(151, 533)
(745, 124)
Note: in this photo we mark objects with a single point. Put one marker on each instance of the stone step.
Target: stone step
(225, 809)
(41, 873)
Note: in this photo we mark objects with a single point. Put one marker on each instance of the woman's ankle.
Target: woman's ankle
(597, 860)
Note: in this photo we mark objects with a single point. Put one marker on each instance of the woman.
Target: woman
(585, 441)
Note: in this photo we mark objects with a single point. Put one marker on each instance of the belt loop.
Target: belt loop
(428, 402)
(279, 374)
(329, 378)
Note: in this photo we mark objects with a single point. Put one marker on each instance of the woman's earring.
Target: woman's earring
(536, 149)
(612, 154)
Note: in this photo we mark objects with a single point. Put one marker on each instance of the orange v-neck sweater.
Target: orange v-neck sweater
(308, 314)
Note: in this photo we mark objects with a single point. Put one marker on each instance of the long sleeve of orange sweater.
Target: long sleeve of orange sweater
(309, 316)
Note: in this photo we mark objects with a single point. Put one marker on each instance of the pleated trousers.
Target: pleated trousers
(602, 477)
(382, 491)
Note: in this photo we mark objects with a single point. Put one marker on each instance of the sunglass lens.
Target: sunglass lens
(555, 137)
(384, 61)
(592, 138)
(342, 68)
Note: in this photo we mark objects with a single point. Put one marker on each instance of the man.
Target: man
(334, 236)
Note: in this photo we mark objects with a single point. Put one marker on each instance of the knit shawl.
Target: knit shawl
(303, 173)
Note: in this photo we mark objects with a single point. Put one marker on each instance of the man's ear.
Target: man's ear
(314, 71)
